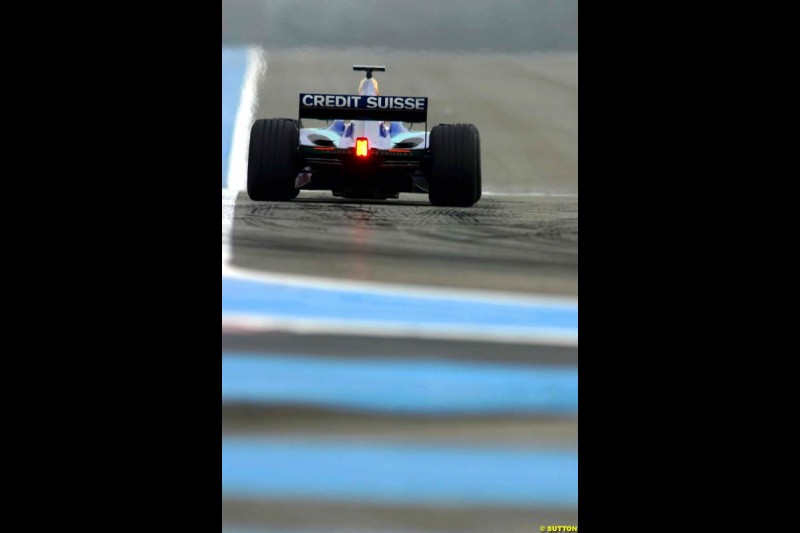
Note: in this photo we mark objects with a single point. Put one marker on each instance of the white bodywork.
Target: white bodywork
(381, 135)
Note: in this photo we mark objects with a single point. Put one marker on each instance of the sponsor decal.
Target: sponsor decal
(340, 101)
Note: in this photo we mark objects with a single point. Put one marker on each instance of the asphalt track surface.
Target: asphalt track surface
(521, 239)
(514, 244)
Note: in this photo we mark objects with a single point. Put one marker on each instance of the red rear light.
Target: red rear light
(362, 147)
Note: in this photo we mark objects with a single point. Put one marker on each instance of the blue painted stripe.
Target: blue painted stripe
(271, 529)
(407, 387)
(234, 66)
(318, 529)
(395, 473)
(267, 299)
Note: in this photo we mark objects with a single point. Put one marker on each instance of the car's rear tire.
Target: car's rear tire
(272, 162)
(480, 180)
(455, 165)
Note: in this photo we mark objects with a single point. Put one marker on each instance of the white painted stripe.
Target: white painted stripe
(237, 162)
(397, 289)
(228, 205)
(235, 323)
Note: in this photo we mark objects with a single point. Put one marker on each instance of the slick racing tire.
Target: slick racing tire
(272, 162)
(480, 181)
(455, 165)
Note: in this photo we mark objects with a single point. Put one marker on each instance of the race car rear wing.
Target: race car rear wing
(353, 107)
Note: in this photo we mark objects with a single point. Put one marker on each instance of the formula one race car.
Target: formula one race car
(365, 151)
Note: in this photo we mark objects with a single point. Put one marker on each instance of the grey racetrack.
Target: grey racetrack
(513, 244)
